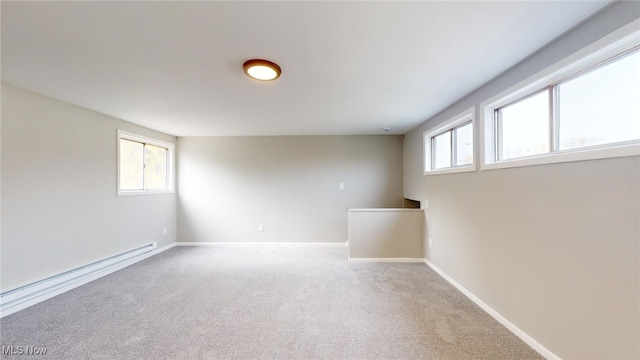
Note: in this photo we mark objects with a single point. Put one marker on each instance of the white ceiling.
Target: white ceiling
(347, 67)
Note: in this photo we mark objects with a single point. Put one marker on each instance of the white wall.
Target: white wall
(553, 248)
(230, 185)
(59, 203)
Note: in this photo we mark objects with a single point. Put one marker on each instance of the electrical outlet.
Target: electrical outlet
(430, 243)
(425, 203)
(341, 186)
(165, 230)
(261, 227)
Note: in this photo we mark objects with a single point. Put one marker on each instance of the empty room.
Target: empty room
(320, 180)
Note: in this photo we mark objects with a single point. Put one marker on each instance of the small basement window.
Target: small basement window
(145, 165)
(449, 147)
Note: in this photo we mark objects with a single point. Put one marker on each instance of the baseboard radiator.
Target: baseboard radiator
(24, 296)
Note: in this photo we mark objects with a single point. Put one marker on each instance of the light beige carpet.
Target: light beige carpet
(263, 302)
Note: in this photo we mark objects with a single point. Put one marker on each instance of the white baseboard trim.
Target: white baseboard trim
(21, 298)
(501, 319)
(387, 260)
(225, 243)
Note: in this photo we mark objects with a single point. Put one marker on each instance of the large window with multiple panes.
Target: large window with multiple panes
(584, 107)
(595, 107)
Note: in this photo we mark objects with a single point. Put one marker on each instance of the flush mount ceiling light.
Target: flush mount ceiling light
(261, 69)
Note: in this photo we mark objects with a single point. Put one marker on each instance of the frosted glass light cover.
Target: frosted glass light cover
(261, 69)
(262, 73)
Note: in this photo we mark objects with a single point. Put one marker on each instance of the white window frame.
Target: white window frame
(618, 42)
(464, 117)
(150, 141)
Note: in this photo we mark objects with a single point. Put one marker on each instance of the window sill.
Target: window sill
(451, 170)
(143, 192)
(622, 150)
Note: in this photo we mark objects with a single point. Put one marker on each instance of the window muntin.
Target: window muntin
(144, 165)
(449, 148)
(578, 106)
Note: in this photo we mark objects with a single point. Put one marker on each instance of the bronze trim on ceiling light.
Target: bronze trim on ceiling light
(260, 69)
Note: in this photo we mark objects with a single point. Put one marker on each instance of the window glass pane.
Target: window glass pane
(442, 150)
(524, 127)
(155, 169)
(464, 145)
(131, 165)
(601, 106)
